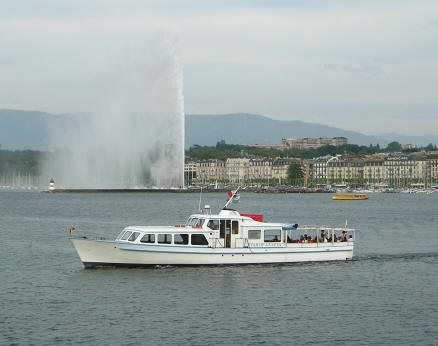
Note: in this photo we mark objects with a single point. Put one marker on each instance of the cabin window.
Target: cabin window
(126, 235)
(121, 234)
(235, 227)
(164, 239)
(148, 238)
(213, 224)
(181, 239)
(133, 236)
(199, 239)
(195, 222)
(272, 235)
(254, 234)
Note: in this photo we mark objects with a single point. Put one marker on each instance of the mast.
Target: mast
(231, 198)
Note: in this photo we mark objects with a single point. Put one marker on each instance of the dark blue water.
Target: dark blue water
(387, 295)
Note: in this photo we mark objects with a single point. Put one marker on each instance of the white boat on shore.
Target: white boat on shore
(228, 237)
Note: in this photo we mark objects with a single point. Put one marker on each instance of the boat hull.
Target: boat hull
(111, 253)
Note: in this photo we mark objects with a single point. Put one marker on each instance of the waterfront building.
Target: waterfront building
(260, 169)
(403, 170)
(432, 168)
(237, 169)
(374, 170)
(280, 168)
(345, 169)
(319, 168)
(211, 170)
(190, 170)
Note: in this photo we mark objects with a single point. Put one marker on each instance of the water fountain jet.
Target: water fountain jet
(135, 139)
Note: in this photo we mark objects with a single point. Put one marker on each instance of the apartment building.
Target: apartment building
(260, 169)
(280, 168)
(345, 169)
(403, 169)
(312, 143)
(237, 169)
(432, 168)
(190, 169)
(374, 170)
(211, 170)
(319, 168)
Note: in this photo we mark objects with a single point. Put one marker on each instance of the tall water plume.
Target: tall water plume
(135, 137)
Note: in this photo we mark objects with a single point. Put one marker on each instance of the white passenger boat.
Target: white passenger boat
(228, 237)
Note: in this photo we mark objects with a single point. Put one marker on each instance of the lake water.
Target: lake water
(387, 295)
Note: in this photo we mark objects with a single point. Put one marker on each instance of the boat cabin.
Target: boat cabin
(230, 229)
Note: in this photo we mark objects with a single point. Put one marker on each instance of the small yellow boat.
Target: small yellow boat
(349, 196)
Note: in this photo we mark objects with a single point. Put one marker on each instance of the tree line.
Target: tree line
(28, 161)
(222, 151)
(20, 161)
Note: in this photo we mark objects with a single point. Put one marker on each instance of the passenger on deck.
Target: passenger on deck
(344, 235)
(350, 238)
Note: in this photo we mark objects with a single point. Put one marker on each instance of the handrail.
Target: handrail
(299, 228)
(215, 241)
(245, 241)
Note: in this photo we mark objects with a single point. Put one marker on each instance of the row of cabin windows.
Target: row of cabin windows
(272, 235)
(166, 238)
(197, 239)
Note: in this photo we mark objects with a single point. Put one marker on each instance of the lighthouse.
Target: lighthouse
(52, 185)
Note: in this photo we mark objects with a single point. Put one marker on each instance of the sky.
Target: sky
(369, 66)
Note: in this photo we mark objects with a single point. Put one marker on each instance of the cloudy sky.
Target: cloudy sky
(369, 66)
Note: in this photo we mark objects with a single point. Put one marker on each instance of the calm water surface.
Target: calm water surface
(387, 295)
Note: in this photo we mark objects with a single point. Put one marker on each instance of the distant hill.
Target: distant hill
(21, 130)
(257, 129)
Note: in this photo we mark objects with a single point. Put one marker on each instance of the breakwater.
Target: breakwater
(255, 190)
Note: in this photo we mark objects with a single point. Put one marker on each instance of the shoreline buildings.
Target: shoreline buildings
(392, 169)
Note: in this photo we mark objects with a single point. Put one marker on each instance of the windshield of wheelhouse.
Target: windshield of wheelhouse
(195, 222)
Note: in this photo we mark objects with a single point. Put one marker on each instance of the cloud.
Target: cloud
(238, 56)
(354, 68)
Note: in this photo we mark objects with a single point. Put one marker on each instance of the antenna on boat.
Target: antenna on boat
(200, 198)
(229, 200)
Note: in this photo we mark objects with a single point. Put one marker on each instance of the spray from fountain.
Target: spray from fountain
(136, 137)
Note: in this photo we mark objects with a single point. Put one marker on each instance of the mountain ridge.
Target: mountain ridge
(21, 129)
